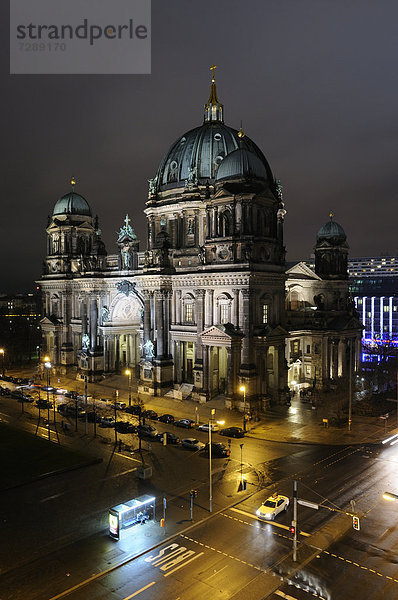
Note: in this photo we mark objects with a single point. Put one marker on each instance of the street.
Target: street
(56, 538)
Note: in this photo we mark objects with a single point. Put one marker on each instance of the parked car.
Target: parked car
(121, 405)
(94, 417)
(187, 423)
(26, 398)
(166, 418)
(171, 437)
(47, 388)
(192, 444)
(235, 432)
(42, 403)
(61, 391)
(272, 506)
(107, 422)
(206, 427)
(218, 450)
(147, 431)
(150, 414)
(135, 409)
(125, 427)
(72, 394)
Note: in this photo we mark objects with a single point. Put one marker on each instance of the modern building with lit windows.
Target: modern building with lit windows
(374, 287)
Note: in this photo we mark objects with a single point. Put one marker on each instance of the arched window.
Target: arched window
(225, 224)
(224, 302)
(188, 303)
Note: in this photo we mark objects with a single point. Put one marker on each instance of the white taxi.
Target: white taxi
(272, 506)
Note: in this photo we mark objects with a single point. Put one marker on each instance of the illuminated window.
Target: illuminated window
(189, 313)
(386, 309)
(224, 313)
(295, 347)
(308, 349)
(265, 314)
(308, 370)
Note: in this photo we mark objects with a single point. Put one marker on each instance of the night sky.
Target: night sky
(314, 82)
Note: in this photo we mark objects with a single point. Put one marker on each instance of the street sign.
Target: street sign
(308, 504)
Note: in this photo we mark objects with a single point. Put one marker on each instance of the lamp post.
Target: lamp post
(47, 365)
(243, 390)
(2, 359)
(128, 372)
(213, 410)
(350, 388)
(241, 465)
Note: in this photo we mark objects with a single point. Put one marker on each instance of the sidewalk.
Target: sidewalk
(295, 424)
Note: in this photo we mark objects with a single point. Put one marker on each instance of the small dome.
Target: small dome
(242, 164)
(72, 204)
(332, 232)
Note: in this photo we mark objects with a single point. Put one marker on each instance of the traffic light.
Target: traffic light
(356, 524)
(193, 493)
(292, 529)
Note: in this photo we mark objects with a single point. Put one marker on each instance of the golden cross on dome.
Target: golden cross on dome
(331, 215)
(127, 220)
(213, 75)
(73, 182)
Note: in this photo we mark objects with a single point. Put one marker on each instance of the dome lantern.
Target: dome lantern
(214, 110)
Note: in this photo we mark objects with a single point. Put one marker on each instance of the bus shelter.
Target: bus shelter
(123, 517)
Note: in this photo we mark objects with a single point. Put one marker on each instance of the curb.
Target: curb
(93, 461)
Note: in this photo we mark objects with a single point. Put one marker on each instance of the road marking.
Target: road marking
(52, 497)
(185, 563)
(360, 566)
(254, 517)
(283, 595)
(127, 457)
(141, 590)
(216, 572)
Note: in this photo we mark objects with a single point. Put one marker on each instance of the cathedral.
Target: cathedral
(210, 307)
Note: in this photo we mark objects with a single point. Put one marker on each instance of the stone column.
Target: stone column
(229, 382)
(159, 324)
(209, 308)
(205, 368)
(147, 317)
(178, 295)
(247, 345)
(196, 227)
(235, 308)
(93, 323)
(117, 352)
(166, 320)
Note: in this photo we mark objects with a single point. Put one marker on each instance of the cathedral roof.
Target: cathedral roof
(72, 204)
(331, 232)
(197, 154)
(242, 163)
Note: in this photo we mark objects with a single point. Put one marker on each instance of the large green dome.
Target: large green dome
(197, 154)
(72, 204)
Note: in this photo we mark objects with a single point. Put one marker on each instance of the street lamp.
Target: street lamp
(128, 372)
(213, 410)
(243, 390)
(2, 359)
(47, 365)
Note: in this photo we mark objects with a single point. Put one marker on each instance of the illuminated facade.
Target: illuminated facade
(202, 310)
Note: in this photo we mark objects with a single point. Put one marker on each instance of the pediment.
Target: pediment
(220, 333)
(301, 271)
